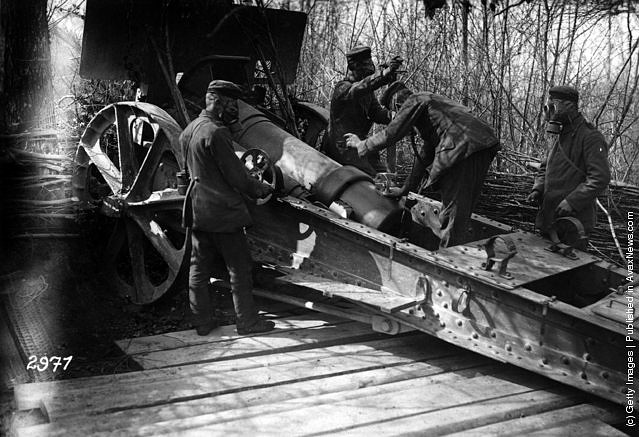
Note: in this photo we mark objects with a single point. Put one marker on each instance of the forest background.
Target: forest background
(499, 58)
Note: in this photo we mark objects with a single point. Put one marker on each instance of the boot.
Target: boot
(261, 325)
(205, 328)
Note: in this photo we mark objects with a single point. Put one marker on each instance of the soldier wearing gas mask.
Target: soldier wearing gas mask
(457, 151)
(354, 108)
(219, 213)
(576, 168)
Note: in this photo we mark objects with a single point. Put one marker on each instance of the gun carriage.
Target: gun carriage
(509, 295)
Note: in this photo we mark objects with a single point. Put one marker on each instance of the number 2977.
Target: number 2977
(41, 364)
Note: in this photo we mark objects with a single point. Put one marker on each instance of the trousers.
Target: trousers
(460, 188)
(208, 251)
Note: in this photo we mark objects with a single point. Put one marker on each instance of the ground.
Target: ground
(53, 290)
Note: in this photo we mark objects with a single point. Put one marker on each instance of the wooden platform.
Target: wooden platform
(313, 375)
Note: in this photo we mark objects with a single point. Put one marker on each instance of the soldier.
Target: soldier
(354, 108)
(219, 212)
(576, 169)
(458, 148)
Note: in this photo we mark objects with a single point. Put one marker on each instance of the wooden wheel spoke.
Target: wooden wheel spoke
(141, 187)
(128, 161)
(106, 167)
(143, 286)
(159, 240)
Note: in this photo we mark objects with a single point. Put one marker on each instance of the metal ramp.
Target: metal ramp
(384, 301)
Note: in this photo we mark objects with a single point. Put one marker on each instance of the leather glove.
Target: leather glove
(393, 192)
(265, 190)
(391, 67)
(564, 209)
(353, 142)
(534, 197)
(395, 63)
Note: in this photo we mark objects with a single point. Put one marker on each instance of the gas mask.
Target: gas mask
(556, 114)
(362, 69)
(226, 110)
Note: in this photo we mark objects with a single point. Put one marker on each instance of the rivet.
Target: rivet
(565, 360)
(509, 347)
(411, 311)
(445, 305)
(445, 283)
(442, 324)
(528, 347)
(544, 360)
(460, 323)
(439, 293)
(605, 375)
(583, 375)
(475, 335)
(587, 356)
(493, 334)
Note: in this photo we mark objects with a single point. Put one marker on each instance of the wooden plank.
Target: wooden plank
(189, 382)
(180, 339)
(343, 411)
(132, 419)
(587, 427)
(28, 396)
(544, 421)
(474, 413)
(228, 348)
(387, 302)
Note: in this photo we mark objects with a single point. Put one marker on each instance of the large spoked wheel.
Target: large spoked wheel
(261, 167)
(127, 162)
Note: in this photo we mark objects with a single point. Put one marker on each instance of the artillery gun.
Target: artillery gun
(507, 294)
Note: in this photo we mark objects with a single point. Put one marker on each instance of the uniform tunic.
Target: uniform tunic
(218, 202)
(458, 146)
(354, 109)
(576, 170)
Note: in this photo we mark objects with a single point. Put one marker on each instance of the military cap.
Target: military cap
(564, 93)
(225, 88)
(358, 53)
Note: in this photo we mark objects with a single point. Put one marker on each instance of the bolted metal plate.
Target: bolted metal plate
(531, 263)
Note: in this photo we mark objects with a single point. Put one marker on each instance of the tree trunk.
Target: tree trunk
(26, 91)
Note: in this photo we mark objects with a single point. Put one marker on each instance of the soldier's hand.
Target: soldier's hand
(564, 209)
(265, 191)
(395, 63)
(534, 197)
(353, 142)
(393, 192)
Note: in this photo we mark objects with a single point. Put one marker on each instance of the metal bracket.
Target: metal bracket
(544, 313)
(567, 250)
(462, 302)
(492, 260)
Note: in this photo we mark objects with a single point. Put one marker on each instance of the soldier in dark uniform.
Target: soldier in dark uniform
(576, 168)
(458, 148)
(354, 108)
(219, 211)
